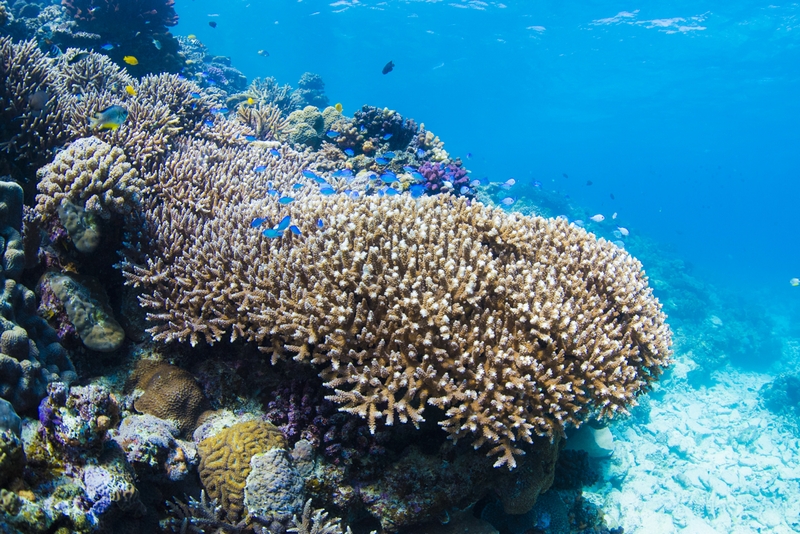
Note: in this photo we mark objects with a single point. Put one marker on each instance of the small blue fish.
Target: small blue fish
(258, 221)
(273, 192)
(286, 200)
(341, 173)
(387, 136)
(194, 95)
(208, 123)
(469, 155)
(420, 153)
(409, 168)
(417, 176)
(363, 128)
(417, 190)
(381, 161)
(350, 152)
(320, 224)
(389, 155)
(332, 134)
(464, 190)
(272, 233)
(107, 47)
(260, 168)
(354, 194)
(295, 230)
(275, 152)
(284, 224)
(389, 178)
(250, 138)
(507, 201)
(310, 174)
(222, 111)
(326, 191)
(297, 186)
(391, 192)
(475, 183)
(537, 183)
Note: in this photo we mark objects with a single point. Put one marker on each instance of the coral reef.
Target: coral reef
(32, 123)
(9, 420)
(310, 91)
(12, 457)
(77, 419)
(213, 73)
(513, 326)
(273, 488)
(12, 255)
(152, 446)
(225, 461)
(169, 393)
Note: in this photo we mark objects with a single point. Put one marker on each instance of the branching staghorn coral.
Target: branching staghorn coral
(514, 326)
(266, 121)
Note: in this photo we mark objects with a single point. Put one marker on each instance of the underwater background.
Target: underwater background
(167, 213)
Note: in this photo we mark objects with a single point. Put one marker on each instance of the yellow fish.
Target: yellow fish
(130, 60)
(339, 107)
(250, 101)
(130, 90)
(191, 36)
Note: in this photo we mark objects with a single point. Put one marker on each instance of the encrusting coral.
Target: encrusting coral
(514, 326)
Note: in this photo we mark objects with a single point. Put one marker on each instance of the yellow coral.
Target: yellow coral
(225, 461)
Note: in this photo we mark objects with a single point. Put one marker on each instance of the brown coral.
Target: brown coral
(225, 461)
(170, 393)
(514, 326)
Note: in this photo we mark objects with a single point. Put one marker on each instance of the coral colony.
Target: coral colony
(248, 302)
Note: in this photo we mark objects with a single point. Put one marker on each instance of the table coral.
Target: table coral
(170, 393)
(513, 326)
(225, 461)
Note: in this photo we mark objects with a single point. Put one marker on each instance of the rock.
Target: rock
(598, 443)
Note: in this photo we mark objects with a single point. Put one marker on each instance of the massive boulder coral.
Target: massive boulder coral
(513, 326)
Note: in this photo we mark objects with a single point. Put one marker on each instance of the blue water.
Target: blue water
(686, 112)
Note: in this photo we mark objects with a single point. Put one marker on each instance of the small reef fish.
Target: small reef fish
(598, 218)
(508, 201)
(107, 47)
(417, 175)
(353, 194)
(391, 192)
(420, 153)
(295, 230)
(464, 190)
(537, 184)
(275, 152)
(409, 168)
(311, 174)
(350, 152)
(320, 224)
(286, 200)
(250, 138)
(388, 68)
(212, 24)
(130, 90)
(284, 224)
(38, 100)
(469, 155)
(258, 221)
(326, 191)
(564, 175)
(389, 155)
(795, 282)
(417, 190)
(389, 178)
(130, 60)
(612, 196)
(77, 57)
(191, 36)
(614, 216)
(297, 186)
(195, 95)
(263, 53)
(250, 101)
(342, 173)
(273, 192)
(332, 134)
(381, 161)
(338, 107)
(272, 233)
(109, 119)
(208, 123)
(157, 44)
(623, 231)
(578, 222)
(260, 168)
(387, 136)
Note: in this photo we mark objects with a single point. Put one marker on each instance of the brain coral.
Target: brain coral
(169, 393)
(514, 326)
(225, 461)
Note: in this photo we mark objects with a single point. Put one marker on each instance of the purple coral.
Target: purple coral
(436, 174)
(376, 124)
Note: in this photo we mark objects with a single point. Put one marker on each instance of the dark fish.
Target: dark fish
(564, 175)
(38, 100)
(612, 196)
(589, 182)
(77, 57)
(388, 68)
(212, 24)
(387, 136)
